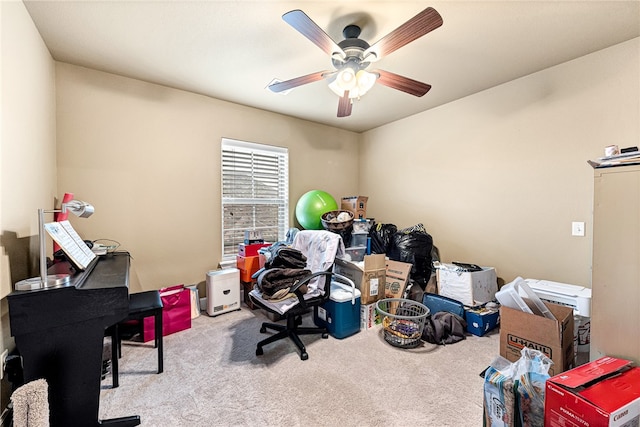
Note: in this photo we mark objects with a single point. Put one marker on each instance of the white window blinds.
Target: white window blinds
(255, 192)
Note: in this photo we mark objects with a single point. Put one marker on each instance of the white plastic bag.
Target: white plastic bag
(514, 392)
(531, 374)
(499, 398)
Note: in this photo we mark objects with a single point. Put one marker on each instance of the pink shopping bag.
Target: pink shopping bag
(176, 312)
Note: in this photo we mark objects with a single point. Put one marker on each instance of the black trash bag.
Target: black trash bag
(413, 245)
(380, 235)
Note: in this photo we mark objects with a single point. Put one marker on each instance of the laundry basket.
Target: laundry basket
(403, 321)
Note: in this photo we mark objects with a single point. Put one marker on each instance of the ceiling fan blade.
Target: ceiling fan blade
(305, 26)
(405, 84)
(344, 105)
(416, 27)
(298, 81)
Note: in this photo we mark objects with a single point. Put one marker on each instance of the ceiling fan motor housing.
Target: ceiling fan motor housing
(353, 48)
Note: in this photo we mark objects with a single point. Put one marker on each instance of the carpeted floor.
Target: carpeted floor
(213, 377)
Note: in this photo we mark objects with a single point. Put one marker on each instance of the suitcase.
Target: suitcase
(437, 303)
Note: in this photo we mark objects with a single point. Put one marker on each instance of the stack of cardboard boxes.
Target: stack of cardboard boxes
(376, 278)
(248, 261)
(374, 275)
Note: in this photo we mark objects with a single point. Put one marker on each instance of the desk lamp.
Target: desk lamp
(76, 207)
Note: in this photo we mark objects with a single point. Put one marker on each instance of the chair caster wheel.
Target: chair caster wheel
(304, 356)
(263, 329)
(325, 335)
(259, 351)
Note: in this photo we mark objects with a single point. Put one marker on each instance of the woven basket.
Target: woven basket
(330, 222)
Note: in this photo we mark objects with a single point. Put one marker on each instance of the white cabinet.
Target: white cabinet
(615, 311)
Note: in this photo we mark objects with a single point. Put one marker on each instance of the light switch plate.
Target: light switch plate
(577, 228)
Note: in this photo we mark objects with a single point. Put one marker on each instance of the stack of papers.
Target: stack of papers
(631, 158)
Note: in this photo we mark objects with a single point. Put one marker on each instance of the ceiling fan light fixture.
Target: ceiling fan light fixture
(365, 81)
(357, 83)
(346, 79)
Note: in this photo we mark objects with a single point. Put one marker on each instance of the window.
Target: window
(255, 192)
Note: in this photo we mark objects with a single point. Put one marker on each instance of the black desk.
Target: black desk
(60, 331)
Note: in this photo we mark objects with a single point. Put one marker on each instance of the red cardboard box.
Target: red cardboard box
(603, 393)
(251, 250)
(247, 266)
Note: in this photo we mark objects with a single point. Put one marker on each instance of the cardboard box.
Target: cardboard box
(247, 266)
(552, 337)
(368, 275)
(396, 278)
(605, 392)
(469, 287)
(481, 320)
(369, 316)
(355, 204)
(246, 288)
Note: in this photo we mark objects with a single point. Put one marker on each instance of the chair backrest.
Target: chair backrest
(321, 248)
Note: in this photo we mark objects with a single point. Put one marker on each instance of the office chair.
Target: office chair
(320, 248)
(141, 306)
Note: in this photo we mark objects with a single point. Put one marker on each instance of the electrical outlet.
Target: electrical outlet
(3, 361)
(577, 228)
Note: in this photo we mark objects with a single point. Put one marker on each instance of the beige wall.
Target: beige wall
(27, 150)
(148, 158)
(498, 177)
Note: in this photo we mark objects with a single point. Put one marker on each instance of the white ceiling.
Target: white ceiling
(231, 50)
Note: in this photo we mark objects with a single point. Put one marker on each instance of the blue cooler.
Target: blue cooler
(341, 313)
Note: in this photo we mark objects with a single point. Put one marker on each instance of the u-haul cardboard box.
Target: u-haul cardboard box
(605, 392)
(553, 337)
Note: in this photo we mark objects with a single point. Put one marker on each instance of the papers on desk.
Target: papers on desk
(631, 158)
(70, 242)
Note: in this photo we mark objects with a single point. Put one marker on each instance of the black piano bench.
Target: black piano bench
(141, 306)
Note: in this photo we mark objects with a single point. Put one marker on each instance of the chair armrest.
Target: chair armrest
(296, 286)
(327, 288)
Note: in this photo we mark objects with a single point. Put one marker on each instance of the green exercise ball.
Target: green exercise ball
(311, 206)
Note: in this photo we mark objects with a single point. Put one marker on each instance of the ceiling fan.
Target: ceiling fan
(352, 56)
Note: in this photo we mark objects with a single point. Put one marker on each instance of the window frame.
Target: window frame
(267, 165)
